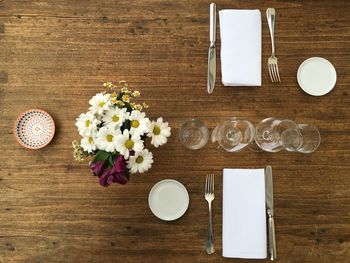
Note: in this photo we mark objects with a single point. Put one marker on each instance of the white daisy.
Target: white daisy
(138, 122)
(159, 132)
(115, 117)
(106, 139)
(88, 143)
(125, 143)
(86, 123)
(99, 103)
(140, 162)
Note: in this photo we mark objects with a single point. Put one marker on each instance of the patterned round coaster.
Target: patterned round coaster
(34, 129)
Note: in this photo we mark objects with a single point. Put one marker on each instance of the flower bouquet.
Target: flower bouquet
(113, 133)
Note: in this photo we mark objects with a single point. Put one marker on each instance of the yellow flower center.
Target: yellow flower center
(126, 98)
(91, 140)
(115, 118)
(139, 159)
(109, 138)
(87, 123)
(156, 130)
(135, 124)
(101, 104)
(129, 144)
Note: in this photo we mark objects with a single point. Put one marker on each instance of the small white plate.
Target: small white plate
(168, 199)
(316, 76)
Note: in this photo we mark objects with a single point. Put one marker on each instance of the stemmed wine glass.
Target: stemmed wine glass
(309, 141)
(233, 134)
(274, 135)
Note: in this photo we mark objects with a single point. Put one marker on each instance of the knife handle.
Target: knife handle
(272, 239)
(212, 33)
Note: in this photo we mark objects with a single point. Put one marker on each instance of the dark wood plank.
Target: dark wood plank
(56, 54)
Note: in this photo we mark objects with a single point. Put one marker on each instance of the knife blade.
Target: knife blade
(211, 69)
(269, 189)
(270, 212)
(212, 49)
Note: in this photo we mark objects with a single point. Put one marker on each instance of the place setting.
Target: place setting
(241, 54)
(248, 227)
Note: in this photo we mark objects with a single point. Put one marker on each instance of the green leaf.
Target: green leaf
(126, 125)
(120, 95)
(111, 159)
(128, 107)
(102, 156)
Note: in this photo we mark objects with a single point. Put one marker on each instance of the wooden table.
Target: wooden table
(56, 54)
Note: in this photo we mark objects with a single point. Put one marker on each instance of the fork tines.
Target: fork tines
(209, 184)
(273, 69)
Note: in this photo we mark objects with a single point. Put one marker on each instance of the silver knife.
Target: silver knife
(212, 51)
(269, 209)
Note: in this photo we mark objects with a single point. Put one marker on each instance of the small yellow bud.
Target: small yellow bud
(120, 103)
(136, 94)
(126, 98)
(138, 107)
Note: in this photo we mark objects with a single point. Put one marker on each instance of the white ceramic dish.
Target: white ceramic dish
(316, 76)
(168, 199)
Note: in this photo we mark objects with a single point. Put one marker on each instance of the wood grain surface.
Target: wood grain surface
(56, 54)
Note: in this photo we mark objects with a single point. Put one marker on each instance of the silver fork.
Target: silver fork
(209, 196)
(272, 61)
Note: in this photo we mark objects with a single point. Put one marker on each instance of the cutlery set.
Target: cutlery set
(272, 60)
(209, 197)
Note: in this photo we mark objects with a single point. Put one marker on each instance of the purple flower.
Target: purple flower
(98, 168)
(118, 173)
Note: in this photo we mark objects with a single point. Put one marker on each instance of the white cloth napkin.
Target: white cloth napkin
(240, 32)
(244, 215)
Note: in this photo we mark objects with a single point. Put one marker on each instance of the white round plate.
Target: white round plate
(316, 76)
(168, 199)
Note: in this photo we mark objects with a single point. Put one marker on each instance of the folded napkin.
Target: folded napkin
(244, 215)
(240, 32)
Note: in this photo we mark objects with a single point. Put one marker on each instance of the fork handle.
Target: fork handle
(270, 14)
(209, 246)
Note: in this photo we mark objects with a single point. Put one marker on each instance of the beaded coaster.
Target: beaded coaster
(34, 129)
